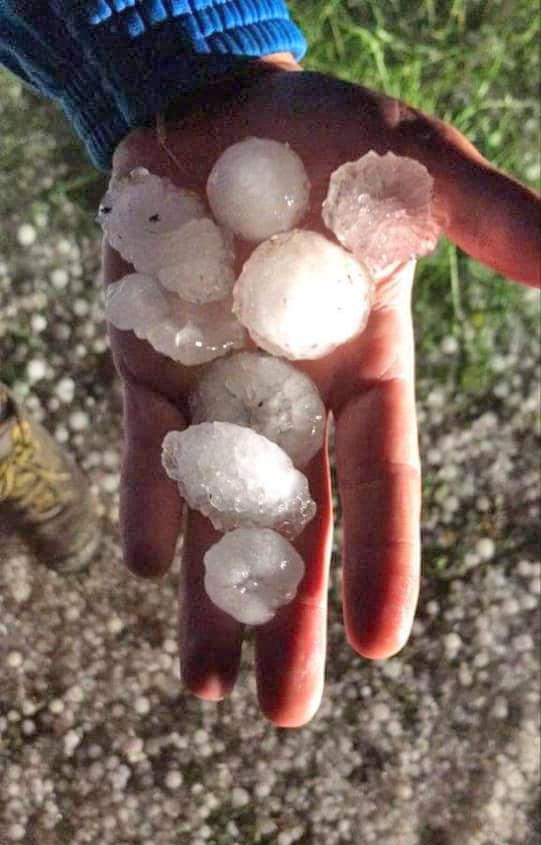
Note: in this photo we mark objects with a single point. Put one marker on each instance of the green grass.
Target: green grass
(475, 64)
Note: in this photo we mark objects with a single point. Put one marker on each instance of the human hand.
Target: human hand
(368, 385)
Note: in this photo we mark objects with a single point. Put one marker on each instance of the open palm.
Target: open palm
(368, 385)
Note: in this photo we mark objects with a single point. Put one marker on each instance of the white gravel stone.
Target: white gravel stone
(235, 476)
(380, 208)
(257, 188)
(250, 573)
(301, 296)
(267, 395)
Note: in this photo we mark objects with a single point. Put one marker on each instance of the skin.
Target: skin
(367, 385)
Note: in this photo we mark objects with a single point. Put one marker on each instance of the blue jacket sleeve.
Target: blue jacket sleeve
(113, 65)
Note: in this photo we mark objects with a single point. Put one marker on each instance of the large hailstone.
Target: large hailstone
(141, 215)
(190, 334)
(266, 394)
(200, 268)
(235, 477)
(252, 572)
(257, 188)
(301, 296)
(380, 208)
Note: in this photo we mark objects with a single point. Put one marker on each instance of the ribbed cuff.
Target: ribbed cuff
(134, 66)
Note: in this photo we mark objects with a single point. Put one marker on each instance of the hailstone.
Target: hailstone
(257, 188)
(185, 332)
(235, 477)
(141, 215)
(267, 394)
(300, 295)
(252, 572)
(380, 208)
(200, 269)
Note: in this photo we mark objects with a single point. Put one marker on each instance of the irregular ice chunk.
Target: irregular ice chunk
(135, 302)
(195, 334)
(380, 208)
(301, 296)
(185, 332)
(200, 267)
(266, 394)
(257, 188)
(141, 215)
(252, 572)
(235, 476)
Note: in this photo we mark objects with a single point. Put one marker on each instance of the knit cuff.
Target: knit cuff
(113, 65)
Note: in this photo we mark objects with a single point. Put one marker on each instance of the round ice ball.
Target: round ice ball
(267, 394)
(200, 265)
(140, 214)
(380, 208)
(257, 188)
(235, 477)
(135, 302)
(252, 572)
(300, 295)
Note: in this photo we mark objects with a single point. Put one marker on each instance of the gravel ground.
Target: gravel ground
(98, 742)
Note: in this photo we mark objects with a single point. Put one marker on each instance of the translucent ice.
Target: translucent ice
(200, 268)
(195, 334)
(135, 302)
(190, 334)
(380, 208)
(251, 572)
(141, 215)
(235, 476)
(257, 188)
(266, 394)
(301, 296)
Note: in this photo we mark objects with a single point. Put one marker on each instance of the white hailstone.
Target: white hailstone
(36, 370)
(173, 779)
(452, 644)
(59, 278)
(79, 420)
(485, 548)
(380, 208)
(258, 188)
(301, 296)
(142, 705)
(239, 797)
(71, 741)
(449, 345)
(15, 659)
(266, 394)
(16, 832)
(252, 572)
(38, 323)
(26, 234)
(235, 476)
(200, 268)
(65, 389)
(56, 706)
(188, 333)
(142, 213)
(135, 302)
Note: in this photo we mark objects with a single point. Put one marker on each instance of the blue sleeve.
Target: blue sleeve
(113, 65)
